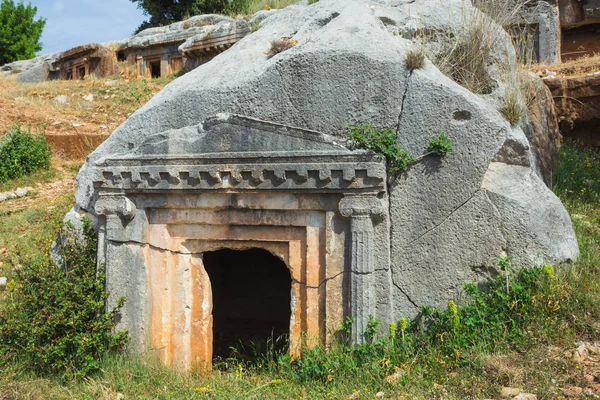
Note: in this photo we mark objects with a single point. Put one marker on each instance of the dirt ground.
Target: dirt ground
(75, 115)
(572, 68)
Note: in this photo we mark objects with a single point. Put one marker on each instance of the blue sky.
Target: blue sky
(71, 23)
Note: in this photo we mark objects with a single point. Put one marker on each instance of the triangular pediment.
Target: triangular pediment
(231, 152)
(234, 134)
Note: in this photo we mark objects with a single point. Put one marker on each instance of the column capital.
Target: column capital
(115, 204)
(362, 205)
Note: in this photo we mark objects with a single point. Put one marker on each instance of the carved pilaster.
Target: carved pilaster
(361, 210)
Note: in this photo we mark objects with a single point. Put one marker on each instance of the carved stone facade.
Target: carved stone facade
(155, 61)
(165, 50)
(154, 52)
(87, 60)
(535, 31)
(549, 31)
(185, 187)
(580, 22)
(316, 208)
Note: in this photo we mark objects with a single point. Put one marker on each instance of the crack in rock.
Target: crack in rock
(445, 219)
(405, 294)
(133, 242)
(408, 76)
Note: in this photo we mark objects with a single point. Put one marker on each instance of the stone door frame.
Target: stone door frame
(145, 199)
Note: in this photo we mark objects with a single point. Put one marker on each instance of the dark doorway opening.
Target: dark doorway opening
(69, 74)
(251, 292)
(580, 42)
(586, 132)
(121, 56)
(155, 69)
(81, 72)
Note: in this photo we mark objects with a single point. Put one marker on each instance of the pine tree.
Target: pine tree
(20, 32)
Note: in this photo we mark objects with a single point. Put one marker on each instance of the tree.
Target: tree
(163, 12)
(20, 32)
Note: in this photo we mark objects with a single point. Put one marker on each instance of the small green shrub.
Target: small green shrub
(383, 143)
(440, 145)
(22, 153)
(138, 92)
(54, 320)
(415, 59)
(372, 326)
(510, 313)
(310, 2)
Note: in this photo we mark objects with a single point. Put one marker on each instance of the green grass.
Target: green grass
(256, 5)
(40, 176)
(496, 340)
(250, 7)
(27, 234)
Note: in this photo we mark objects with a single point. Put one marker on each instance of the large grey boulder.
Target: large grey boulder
(222, 33)
(37, 73)
(180, 31)
(33, 70)
(450, 218)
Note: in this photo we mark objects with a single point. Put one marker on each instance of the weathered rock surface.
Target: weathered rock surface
(37, 73)
(33, 70)
(198, 25)
(261, 16)
(443, 220)
(221, 33)
(541, 128)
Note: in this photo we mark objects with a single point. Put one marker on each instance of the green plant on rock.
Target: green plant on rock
(22, 153)
(453, 315)
(383, 143)
(54, 321)
(392, 333)
(440, 145)
(371, 330)
(403, 326)
(505, 266)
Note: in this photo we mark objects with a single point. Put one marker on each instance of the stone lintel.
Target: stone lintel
(322, 177)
